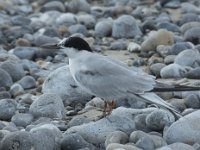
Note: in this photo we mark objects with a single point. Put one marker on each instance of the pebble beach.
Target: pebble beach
(43, 108)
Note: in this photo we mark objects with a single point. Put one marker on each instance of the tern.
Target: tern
(107, 78)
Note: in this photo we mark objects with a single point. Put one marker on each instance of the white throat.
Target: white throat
(70, 52)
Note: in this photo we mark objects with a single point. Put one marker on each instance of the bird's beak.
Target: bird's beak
(50, 46)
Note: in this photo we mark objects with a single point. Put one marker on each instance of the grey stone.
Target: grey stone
(97, 132)
(16, 32)
(5, 80)
(103, 28)
(193, 73)
(3, 133)
(46, 137)
(5, 95)
(51, 32)
(163, 50)
(7, 108)
(125, 27)
(179, 104)
(145, 143)
(179, 47)
(185, 27)
(20, 20)
(27, 82)
(156, 68)
(117, 146)
(61, 82)
(24, 52)
(78, 120)
(18, 140)
(76, 6)
(43, 39)
(87, 20)
(185, 130)
(140, 123)
(54, 5)
(169, 26)
(118, 45)
(48, 105)
(176, 146)
(16, 89)
(169, 59)
(188, 57)
(66, 19)
(137, 135)
(189, 17)
(116, 137)
(193, 35)
(78, 28)
(21, 119)
(158, 119)
(15, 70)
(188, 7)
(74, 141)
(192, 101)
(173, 71)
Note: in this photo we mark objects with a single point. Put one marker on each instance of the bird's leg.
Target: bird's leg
(111, 105)
(104, 109)
(108, 107)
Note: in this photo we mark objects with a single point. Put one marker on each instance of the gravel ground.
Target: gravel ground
(41, 106)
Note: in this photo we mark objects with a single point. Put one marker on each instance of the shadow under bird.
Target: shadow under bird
(109, 79)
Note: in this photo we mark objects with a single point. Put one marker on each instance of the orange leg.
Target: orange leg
(108, 107)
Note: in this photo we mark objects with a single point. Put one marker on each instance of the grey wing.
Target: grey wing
(107, 79)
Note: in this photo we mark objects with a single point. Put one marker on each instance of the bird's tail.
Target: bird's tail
(155, 99)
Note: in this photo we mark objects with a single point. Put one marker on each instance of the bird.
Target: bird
(108, 78)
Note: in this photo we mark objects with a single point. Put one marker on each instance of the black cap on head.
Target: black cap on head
(77, 43)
